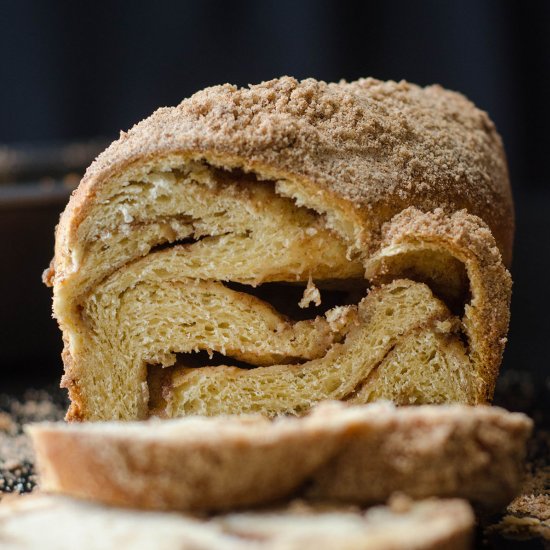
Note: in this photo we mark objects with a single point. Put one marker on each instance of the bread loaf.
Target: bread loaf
(216, 258)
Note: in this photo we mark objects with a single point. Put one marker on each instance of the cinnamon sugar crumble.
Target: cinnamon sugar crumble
(16, 456)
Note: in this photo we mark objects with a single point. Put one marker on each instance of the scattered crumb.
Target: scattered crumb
(528, 515)
(311, 295)
(521, 528)
(534, 499)
(16, 455)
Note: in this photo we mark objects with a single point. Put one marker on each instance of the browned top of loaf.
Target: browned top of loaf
(382, 145)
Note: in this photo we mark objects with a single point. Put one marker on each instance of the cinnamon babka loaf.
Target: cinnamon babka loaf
(267, 248)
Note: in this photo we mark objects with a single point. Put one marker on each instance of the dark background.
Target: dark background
(81, 70)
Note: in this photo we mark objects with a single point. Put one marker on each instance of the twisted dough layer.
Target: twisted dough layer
(167, 247)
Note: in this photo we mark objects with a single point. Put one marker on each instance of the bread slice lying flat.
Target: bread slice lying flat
(359, 454)
(246, 225)
(53, 522)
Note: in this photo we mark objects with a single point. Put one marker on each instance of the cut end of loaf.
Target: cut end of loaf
(191, 278)
(145, 321)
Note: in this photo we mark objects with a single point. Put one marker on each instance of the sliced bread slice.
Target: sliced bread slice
(359, 454)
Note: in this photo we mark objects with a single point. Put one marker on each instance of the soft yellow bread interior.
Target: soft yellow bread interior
(383, 336)
(172, 263)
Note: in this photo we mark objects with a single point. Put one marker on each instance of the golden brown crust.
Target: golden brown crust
(356, 454)
(377, 147)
